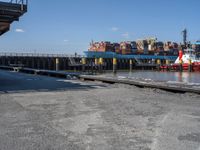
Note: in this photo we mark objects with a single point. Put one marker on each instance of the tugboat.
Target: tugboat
(186, 61)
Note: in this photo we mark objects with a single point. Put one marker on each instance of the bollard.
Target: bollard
(57, 64)
(83, 61)
(131, 65)
(114, 65)
(180, 65)
(190, 65)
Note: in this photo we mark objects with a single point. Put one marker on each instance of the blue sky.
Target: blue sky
(68, 26)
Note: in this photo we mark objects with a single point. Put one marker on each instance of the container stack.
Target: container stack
(101, 47)
(116, 47)
(142, 46)
(125, 48)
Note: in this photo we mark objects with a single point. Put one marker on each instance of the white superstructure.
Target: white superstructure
(189, 54)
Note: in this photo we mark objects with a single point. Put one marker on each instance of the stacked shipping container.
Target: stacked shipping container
(143, 46)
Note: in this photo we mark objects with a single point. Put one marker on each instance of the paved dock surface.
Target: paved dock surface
(43, 113)
(16, 82)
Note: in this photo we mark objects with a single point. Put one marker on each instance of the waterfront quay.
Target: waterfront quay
(89, 62)
(40, 112)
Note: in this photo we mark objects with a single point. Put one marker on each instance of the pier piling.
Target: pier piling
(83, 64)
(167, 65)
(114, 65)
(57, 64)
(131, 65)
(190, 65)
(101, 65)
(181, 65)
(158, 63)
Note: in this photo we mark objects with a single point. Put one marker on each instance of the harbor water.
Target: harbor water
(183, 77)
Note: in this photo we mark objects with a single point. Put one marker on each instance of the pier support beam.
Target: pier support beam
(44, 64)
(131, 65)
(114, 65)
(190, 66)
(57, 64)
(64, 64)
(95, 64)
(167, 65)
(158, 62)
(49, 63)
(83, 61)
(33, 63)
(38, 63)
(27, 62)
(181, 65)
(101, 65)
(3, 61)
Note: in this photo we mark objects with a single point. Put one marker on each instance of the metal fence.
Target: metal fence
(38, 55)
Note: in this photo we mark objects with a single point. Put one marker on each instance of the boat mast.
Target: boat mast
(184, 32)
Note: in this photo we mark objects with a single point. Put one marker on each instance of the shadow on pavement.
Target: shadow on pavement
(12, 82)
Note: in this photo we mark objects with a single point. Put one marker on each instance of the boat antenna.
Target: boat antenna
(184, 32)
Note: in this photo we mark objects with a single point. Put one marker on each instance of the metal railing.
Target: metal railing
(23, 2)
(38, 55)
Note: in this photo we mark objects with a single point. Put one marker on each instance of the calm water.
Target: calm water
(186, 77)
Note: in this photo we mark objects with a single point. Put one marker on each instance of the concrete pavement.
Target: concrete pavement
(94, 116)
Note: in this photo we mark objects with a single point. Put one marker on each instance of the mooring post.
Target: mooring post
(83, 61)
(190, 65)
(180, 65)
(131, 65)
(57, 64)
(114, 65)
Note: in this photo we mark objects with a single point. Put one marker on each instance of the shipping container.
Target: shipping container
(125, 48)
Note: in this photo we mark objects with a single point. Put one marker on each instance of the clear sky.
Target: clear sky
(68, 26)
